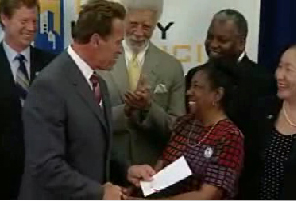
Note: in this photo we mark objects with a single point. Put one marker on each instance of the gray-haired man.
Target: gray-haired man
(144, 108)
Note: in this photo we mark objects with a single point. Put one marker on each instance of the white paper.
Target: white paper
(170, 175)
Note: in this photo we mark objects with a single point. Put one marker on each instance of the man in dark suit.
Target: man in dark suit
(67, 116)
(225, 42)
(19, 65)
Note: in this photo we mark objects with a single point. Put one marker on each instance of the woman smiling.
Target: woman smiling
(211, 144)
(270, 165)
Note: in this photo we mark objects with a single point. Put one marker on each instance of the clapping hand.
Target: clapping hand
(140, 98)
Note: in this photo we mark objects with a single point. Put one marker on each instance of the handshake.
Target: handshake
(135, 174)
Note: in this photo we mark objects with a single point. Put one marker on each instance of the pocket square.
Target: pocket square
(160, 89)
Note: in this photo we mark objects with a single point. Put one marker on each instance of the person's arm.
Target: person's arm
(11, 154)
(220, 177)
(160, 164)
(118, 169)
(119, 118)
(161, 118)
(44, 117)
(206, 192)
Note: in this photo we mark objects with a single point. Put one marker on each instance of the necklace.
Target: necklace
(287, 117)
(204, 137)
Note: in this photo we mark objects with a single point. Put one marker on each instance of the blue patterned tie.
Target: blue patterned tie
(22, 78)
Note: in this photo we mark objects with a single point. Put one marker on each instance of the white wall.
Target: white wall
(191, 19)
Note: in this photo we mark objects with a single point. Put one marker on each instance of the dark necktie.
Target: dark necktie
(94, 79)
(22, 78)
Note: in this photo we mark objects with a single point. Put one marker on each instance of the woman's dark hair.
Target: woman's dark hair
(221, 73)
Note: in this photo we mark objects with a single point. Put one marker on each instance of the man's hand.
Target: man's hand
(134, 198)
(141, 98)
(136, 173)
(128, 110)
(112, 192)
(133, 193)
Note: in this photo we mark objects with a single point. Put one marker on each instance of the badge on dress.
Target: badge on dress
(208, 152)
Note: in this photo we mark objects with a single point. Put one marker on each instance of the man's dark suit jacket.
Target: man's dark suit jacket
(68, 136)
(11, 127)
(263, 120)
(253, 82)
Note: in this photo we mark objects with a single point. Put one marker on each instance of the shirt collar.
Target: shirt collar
(241, 56)
(11, 53)
(129, 53)
(82, 65)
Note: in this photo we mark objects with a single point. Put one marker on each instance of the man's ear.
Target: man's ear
(242, 44)
(95, 39)
(4, 19)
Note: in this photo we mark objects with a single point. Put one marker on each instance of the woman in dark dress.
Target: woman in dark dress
(270, 166)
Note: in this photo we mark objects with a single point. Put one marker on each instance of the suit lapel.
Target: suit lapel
(34, 60)
(150, 65)
(35, 63)
(120, 76)
(5, 66)
(6, 76)
(84, 90)
(106, 103)
(268, 123)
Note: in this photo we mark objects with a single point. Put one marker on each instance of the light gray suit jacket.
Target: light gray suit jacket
(142, 138)
(67, 136)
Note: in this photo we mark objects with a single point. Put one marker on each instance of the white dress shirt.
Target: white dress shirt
(85, 69)
(129, 54)
(241, 56)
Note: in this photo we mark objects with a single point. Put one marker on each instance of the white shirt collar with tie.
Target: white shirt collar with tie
(14, 64)
(129, 54)
(84, 68)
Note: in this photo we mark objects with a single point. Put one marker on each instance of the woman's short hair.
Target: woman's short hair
(221, 73)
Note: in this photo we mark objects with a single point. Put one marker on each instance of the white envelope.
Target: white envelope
(170, 175)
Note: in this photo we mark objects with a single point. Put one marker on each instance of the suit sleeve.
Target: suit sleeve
(118, 169)
(119, 119)
(44, 120)
(163, 118)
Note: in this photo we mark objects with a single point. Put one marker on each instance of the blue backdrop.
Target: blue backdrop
(277, 30)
